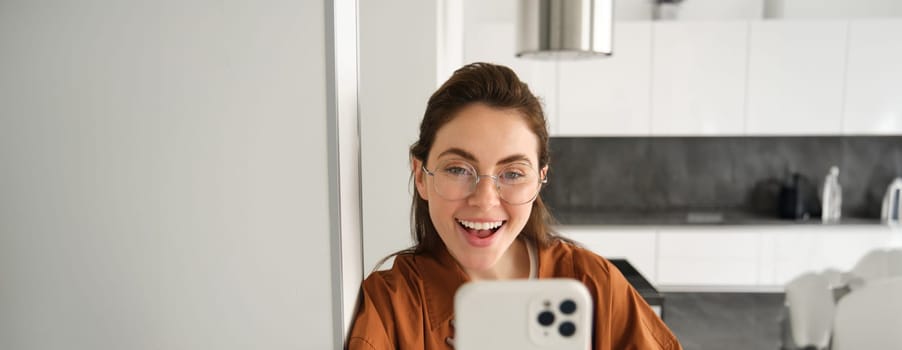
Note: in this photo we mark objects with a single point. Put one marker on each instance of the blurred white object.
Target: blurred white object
(892, 203)
(811, 298)
(870, 317)
(875, 265)
(810, 310)
(831, 200)
(834, 277)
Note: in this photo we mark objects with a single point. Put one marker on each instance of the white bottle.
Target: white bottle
(892, 203)
(831, 201)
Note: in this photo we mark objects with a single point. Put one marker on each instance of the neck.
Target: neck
(513, 264)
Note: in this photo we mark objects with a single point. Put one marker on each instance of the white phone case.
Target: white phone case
(523, 314)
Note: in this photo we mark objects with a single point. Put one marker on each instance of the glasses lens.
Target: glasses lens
(516, 183)
(454, 180)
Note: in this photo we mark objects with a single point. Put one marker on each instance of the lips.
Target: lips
(480, 233)
(474, 225)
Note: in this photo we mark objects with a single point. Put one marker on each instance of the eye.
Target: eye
(515, 175)
(511, 175)
(457, 170)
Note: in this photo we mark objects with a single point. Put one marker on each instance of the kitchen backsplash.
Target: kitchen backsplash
(661, 174)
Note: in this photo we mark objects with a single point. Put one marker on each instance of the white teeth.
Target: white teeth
(481, 225)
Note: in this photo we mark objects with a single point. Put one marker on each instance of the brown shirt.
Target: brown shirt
(411, 305)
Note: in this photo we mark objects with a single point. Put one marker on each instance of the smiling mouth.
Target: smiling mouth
(481, 229)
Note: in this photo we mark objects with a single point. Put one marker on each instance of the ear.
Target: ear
(543, 174)
(419, 178)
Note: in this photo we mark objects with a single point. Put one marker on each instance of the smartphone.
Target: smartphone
(523, 314)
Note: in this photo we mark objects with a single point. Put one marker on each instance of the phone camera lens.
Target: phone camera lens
(546, 318)
(567, 329)
(568, 307)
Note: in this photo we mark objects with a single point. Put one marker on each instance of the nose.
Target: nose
(485, 194)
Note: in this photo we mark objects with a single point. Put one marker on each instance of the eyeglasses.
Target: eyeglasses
(516, 183)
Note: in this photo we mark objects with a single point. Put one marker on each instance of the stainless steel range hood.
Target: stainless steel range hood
(565, 29)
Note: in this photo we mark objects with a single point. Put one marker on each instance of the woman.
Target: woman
(480, 161)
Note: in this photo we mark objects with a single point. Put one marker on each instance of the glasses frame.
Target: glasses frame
(478, 177)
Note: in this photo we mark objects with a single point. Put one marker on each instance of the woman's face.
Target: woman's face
(491, 141)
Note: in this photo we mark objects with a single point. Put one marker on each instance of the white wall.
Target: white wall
(163, 175)
(840, 9)
(628, 10)
(398, 68)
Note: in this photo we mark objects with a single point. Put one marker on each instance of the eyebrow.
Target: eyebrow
(469, 156)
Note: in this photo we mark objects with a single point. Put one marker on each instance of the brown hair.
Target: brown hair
(495, 86)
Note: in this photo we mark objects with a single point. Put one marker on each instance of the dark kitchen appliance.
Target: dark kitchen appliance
(798, 199)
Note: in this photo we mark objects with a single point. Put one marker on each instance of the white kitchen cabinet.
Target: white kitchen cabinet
(895, 234)
(796, 250)
(734, 258)
(791, 254)
(700, 256)
(841, 249)
(795, 77)
(873, 102)
(494, 42)
(698, 78)
(609, 96)
(766, 258)
(636, 245)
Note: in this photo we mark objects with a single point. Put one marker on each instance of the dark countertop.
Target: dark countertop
(677, 218)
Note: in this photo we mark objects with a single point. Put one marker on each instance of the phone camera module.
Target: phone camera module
(546, 318)
(567, 307)
(567, 329)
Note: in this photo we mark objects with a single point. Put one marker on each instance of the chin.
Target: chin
(478, 262)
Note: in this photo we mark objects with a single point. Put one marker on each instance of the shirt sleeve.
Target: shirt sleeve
(370, 329)
(623, 320)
